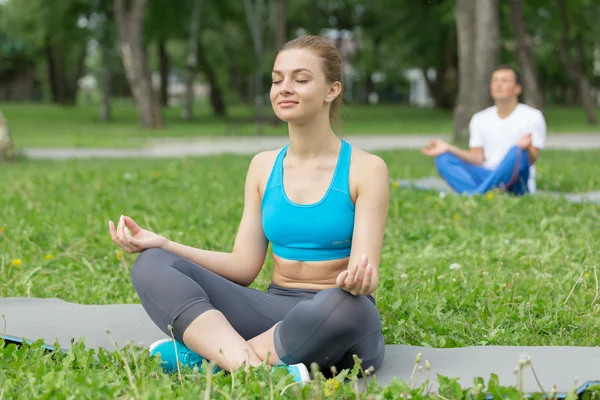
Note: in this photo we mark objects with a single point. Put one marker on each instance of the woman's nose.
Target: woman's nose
(287, 86)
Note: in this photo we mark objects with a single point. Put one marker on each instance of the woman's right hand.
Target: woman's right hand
(141, 240)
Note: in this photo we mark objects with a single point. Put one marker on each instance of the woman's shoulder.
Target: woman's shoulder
(367, 162)
(264, 158)
(261, 164)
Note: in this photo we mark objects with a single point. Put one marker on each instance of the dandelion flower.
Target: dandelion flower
(395, 184)
(490, 195)
(119, 255)
(1, 229)
(48, 257)
(17, 262)
(456, 217)
(330, 386)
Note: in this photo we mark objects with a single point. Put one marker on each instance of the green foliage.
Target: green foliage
(525, 270)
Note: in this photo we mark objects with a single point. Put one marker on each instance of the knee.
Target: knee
(147, 262)
(346, 313)
(444, 160)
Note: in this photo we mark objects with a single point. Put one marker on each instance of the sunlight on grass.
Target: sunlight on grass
(45, 125)
(455, 271)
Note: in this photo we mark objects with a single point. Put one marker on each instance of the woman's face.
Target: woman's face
(299, 89)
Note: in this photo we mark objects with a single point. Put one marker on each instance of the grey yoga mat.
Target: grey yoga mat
(439, 185)
(31, 319)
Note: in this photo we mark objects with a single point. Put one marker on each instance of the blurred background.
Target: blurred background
(114, 73)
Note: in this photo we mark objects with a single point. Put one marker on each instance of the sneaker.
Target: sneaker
(167, 348)
(299, 372)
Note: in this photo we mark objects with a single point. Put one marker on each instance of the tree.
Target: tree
(477, 24)
(103, 30)
(572, 45)
(192, 60)
(281, 31)
(531, 85)
(58, 37)
(130, 17)
(254, 15)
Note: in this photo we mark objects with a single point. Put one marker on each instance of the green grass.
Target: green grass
(526, 274)
(53, 126)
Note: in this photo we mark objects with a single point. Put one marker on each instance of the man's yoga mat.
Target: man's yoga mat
(53, 320)
(437, 184)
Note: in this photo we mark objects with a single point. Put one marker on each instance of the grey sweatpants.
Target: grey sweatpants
(326, 327)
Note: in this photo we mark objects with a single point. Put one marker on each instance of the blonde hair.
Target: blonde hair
(331, 62)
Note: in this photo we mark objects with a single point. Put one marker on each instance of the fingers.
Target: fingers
(113, 231)
(341, 278)
(366, 284)
(130, 223)
(120, 236)
(360, 271)
(352, 279)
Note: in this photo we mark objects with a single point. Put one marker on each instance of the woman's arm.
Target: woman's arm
(244, 263)
(371, 210)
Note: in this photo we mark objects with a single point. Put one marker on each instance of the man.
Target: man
(6, 143)
(504, 143)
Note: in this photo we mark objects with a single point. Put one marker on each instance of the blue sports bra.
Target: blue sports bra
(310, 232)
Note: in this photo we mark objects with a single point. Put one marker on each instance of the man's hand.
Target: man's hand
(525, 142)
(361, 279)
(435, 148)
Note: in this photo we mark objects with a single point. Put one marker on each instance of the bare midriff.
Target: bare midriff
(307, 275)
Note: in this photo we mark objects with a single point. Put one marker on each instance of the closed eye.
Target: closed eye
(301, 81)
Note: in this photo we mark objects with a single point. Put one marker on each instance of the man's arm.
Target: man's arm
(473, 156)
(526, 144)
(438, 147)
(534, 153)
(537, 137)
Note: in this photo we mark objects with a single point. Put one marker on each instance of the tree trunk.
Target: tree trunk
(55, 74)
(478, 30)
(238, 84)
(281, 36)
(465, 27)
(105, 112)
(487, 50)
(585, 88)
(254, 14)
(63, 82)
(531, 84)
(135, 62)
(192, 61)
(576, 69)
(163, 60)
(216, 96)
(438, 89)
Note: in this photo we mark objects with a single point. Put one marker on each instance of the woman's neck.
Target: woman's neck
(313, 139)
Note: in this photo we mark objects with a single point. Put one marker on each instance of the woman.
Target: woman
(321, 203)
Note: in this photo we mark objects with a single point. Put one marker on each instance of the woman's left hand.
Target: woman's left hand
(361, 279)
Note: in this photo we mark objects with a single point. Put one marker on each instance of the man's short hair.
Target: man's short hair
(513, 69)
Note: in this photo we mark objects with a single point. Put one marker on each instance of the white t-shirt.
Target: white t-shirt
(496, 135)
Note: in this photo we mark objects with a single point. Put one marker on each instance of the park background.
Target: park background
(100, 75)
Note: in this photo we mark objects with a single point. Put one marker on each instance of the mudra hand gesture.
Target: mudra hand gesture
(525, 141)
(141, 240)
(435, 147)
(358, 280)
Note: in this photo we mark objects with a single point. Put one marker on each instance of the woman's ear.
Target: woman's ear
(333, 92)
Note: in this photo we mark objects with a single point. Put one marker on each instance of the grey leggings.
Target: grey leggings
(326, 327)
